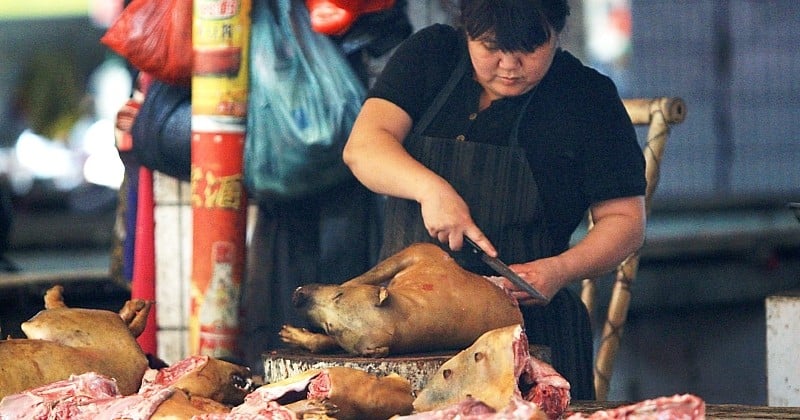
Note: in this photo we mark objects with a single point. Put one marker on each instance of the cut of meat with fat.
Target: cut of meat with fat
(268, 411)
(40, 402)
(676, 407)
(545, 387)
(91, 396)
(136, 406)
(87, 396)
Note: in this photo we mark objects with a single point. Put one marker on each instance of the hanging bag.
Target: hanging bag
(304, 98)
(155, 36)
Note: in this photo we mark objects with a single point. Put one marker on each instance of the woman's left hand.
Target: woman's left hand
(618, 231)
(543, 274)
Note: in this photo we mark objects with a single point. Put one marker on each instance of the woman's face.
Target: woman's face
(503, 74)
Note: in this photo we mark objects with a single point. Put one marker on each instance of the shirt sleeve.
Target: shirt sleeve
(418, 69)
(582, 146)
(613, 160)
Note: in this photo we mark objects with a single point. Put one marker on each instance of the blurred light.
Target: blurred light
(31, 9)
(46, 159)
(608, 29)
(103, 165)
(105, 12)
(110, 85)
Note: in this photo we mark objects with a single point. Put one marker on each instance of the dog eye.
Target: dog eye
(337, 296)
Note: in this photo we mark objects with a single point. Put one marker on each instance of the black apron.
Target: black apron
(498, 185)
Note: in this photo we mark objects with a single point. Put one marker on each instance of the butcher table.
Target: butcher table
(713, 411)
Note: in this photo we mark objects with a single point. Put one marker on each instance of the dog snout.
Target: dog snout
(301, 296)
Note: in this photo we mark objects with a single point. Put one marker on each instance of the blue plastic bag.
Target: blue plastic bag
(303, 100)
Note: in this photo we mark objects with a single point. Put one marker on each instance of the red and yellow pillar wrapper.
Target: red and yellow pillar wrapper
(220, 40)
(220, 34)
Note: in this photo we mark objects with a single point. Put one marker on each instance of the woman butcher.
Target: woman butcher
(493, 132)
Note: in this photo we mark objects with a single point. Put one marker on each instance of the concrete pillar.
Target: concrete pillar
(783, 349)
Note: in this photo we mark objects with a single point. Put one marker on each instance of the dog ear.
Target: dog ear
(383, 295)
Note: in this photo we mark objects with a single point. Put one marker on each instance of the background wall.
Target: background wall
(728, 172)
(735, 63)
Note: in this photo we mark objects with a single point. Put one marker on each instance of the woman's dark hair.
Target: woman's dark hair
(514, 25)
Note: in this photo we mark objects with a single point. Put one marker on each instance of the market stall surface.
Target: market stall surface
(713, 411)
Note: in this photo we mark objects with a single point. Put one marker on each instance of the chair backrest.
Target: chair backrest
(658, 114)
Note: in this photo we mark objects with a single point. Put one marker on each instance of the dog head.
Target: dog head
(354, 315)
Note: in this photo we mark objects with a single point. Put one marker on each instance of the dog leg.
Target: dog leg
(54, 298)
(303, 338)
(134, 313)
(388, 268)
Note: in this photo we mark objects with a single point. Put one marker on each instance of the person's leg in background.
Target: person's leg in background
(6, 223)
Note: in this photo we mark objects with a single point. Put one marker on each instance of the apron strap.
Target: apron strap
(513, 140)
(443, 95)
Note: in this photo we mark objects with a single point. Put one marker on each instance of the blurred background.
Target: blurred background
(720, 240)
(59, 93)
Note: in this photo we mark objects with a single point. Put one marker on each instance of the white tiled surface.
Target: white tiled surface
(783, 342)
(172, 344)
(169, 190)
(173, 232)
(173, 268)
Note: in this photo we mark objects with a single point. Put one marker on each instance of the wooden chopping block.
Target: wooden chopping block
(416, 368)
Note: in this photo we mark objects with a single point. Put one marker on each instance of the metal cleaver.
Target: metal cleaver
(501, 268)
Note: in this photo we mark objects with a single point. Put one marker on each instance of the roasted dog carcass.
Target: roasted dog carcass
(203, 376)
(418, 300)
(63, 341)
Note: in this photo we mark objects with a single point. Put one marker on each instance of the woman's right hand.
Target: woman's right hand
(376, 156)
(447, 218)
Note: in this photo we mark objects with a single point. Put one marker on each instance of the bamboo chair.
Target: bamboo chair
(658, 114)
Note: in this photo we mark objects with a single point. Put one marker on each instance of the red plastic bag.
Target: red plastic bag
(335, 17)
(155, 36)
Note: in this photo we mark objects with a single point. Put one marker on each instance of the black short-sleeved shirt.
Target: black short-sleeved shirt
(578, 138)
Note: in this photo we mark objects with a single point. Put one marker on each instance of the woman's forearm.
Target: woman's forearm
(376, 156)
(618, 231)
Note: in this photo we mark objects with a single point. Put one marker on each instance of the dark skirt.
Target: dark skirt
(564, 326)
(329, 238)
